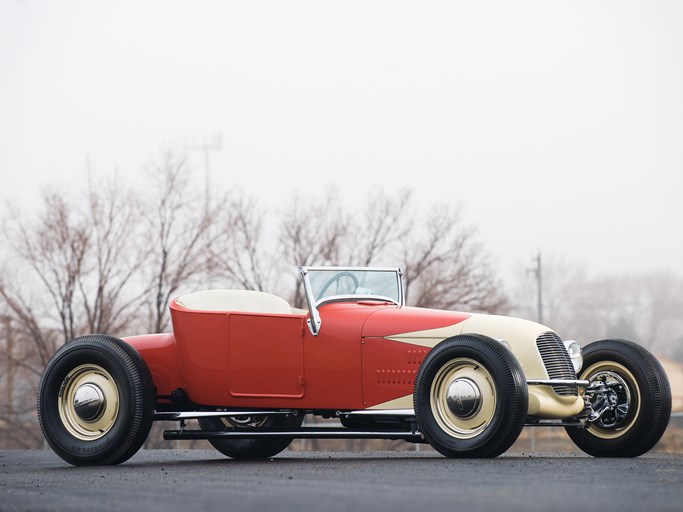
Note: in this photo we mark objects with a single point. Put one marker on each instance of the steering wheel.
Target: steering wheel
(336, 279)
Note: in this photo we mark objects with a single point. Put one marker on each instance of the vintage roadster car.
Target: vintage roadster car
(249, 368)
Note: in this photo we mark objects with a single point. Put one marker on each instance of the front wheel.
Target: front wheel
(96, 401)
(634, 401)
(470, 397)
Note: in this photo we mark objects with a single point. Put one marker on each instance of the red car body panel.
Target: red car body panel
(160, 353)
(236, 359)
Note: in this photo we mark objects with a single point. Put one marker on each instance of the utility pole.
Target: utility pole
(206, 145)
(539, 282)
(536, 271)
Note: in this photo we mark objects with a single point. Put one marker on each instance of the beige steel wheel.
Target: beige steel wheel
(470, 397)
(463, 398)
(89, 402)
(96, 401)
(630, 399)
(625, 399)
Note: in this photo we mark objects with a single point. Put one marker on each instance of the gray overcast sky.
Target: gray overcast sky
(557, 125)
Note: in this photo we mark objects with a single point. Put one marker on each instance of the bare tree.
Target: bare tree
(384, 223)
(40, 298)
(77, 267)
(181, 227)
(446, 268)
(54, 248)
(312, 233)
(661, 297)
(71, 267)
(27, 318)
(443, 266)
(108, 296)
(563, 283)
(242, 255)
(643, 307)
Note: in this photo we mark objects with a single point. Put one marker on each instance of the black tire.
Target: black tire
(256, 448)
(96, 401)
(643, 396)
(462, 425)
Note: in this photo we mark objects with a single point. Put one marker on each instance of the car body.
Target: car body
(249, 367)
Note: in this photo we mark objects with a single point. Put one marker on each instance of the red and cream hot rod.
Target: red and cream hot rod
(249, 368)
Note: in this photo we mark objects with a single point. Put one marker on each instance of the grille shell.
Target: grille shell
(556, 361)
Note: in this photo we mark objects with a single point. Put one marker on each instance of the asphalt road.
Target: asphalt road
(205, 481)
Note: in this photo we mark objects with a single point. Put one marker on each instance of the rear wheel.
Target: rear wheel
(256, 448)
(470, 397)
(635, 403)
(96, 401)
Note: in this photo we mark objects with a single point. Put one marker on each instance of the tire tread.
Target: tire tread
(655, 404)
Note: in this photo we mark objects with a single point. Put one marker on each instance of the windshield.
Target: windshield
(343, 283)
(327, 282)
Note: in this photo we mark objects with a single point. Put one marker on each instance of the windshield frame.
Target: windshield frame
(315, 322)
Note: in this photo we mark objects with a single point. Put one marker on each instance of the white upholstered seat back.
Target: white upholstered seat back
(235, 300)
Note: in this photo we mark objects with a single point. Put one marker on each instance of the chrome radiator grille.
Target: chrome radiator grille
(556, 361)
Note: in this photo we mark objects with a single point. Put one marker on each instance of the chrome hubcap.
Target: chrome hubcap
(89, 402)
(463, 398)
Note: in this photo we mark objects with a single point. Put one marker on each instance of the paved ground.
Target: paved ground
(197, 480)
